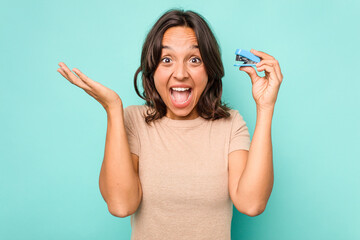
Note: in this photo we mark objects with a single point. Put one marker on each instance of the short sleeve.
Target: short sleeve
(239, 137)
(130, 127)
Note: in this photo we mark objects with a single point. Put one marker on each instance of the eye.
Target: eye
(166, 60)
(195, 60)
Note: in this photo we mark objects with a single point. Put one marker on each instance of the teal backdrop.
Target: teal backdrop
(53, 133)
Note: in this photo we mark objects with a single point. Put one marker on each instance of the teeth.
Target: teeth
(180, 89)
(185, 100)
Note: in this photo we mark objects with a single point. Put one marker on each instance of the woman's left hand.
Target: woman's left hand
(265, 89)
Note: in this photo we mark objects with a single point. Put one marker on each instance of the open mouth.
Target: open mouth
(180, 95)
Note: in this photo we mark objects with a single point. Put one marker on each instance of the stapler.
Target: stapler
(245, 58)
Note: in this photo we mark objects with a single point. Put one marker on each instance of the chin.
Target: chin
(182, 113)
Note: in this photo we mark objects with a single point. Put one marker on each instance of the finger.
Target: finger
(62, 73)
(262, 55)
(85, 87)
(73, 78)
(70, 76)
(272, 62)
(269, 70)
(251, 72)
(277, 68)
(86, 79)
(76, 82)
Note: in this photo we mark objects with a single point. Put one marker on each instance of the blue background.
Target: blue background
(53, 134)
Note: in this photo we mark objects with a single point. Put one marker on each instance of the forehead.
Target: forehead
(179, 35)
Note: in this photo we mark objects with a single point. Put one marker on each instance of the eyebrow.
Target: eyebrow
(168, 47)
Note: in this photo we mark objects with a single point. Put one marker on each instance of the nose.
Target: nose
(180, 71)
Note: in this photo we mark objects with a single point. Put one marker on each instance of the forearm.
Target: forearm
(118, 181)
(256, 182)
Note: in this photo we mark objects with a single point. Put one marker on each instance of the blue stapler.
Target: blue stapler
(245, 58)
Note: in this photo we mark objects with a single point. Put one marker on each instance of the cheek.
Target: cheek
(201, 78)
(160, 80)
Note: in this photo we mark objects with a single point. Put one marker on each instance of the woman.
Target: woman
(177, 163)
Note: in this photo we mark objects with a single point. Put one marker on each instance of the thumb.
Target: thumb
(250, 71)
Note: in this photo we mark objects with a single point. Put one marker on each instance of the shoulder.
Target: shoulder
(236, 120)
(132, 108)
(135, 109)
(233, 112)
(135, 113)
(234, 115)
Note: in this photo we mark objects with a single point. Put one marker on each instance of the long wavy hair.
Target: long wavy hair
(209, 105)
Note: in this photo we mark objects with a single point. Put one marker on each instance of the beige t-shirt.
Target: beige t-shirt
(183, 169)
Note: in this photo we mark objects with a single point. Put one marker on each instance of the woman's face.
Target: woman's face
(180, 67)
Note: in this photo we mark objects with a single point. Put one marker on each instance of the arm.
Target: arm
(119, 181)
(256, 181)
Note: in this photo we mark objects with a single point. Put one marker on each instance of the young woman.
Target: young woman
(178, 163)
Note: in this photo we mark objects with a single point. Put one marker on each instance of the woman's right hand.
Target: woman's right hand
(105, 96)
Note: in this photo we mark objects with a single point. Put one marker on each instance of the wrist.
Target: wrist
(114, 109)
(264, 117)
(265, 111)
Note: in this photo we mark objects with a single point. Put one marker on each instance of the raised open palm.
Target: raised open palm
(105, 96)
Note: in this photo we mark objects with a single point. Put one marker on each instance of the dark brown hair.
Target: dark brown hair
(209, 105)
